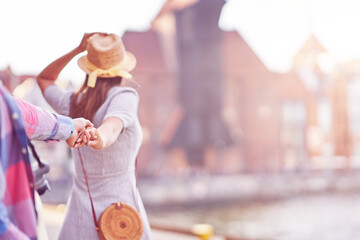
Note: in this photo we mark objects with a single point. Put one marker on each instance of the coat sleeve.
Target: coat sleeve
(41, 124)
(124, 105)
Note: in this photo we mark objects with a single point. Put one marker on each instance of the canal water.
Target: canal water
(330, 216)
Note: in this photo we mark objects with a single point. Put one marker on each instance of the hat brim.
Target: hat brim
(127, 64)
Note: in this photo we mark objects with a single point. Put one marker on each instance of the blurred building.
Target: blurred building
(209, 103)
(277, 122)
(11, 80)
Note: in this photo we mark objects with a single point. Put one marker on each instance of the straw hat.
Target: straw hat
(106, 57)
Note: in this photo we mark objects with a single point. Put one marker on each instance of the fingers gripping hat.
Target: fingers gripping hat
(106, 57)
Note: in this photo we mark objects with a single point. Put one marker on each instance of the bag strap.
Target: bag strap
(88, 189)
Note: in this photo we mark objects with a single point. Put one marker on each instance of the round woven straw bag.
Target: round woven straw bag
(120, 221)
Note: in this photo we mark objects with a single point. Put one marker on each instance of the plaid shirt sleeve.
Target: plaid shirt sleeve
(52, 127)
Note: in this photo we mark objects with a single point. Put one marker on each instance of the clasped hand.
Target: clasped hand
(84, 134)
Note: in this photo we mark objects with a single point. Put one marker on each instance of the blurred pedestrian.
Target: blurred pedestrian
(110, 160)
(19, 121)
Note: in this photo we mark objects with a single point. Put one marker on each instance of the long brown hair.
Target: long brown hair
(91, 98)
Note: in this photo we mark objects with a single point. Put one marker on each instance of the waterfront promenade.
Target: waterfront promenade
(54, 215)
(237, 205)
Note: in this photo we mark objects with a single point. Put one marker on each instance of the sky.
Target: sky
(277, 29)
(34, 33)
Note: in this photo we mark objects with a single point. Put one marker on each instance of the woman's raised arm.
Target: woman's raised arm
(48, 76)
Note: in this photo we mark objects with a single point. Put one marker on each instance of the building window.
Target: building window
(293, 127)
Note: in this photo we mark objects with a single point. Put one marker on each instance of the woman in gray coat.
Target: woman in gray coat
(110, 159)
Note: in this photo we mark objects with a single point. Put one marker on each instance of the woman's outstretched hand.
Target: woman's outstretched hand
(96, 142)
